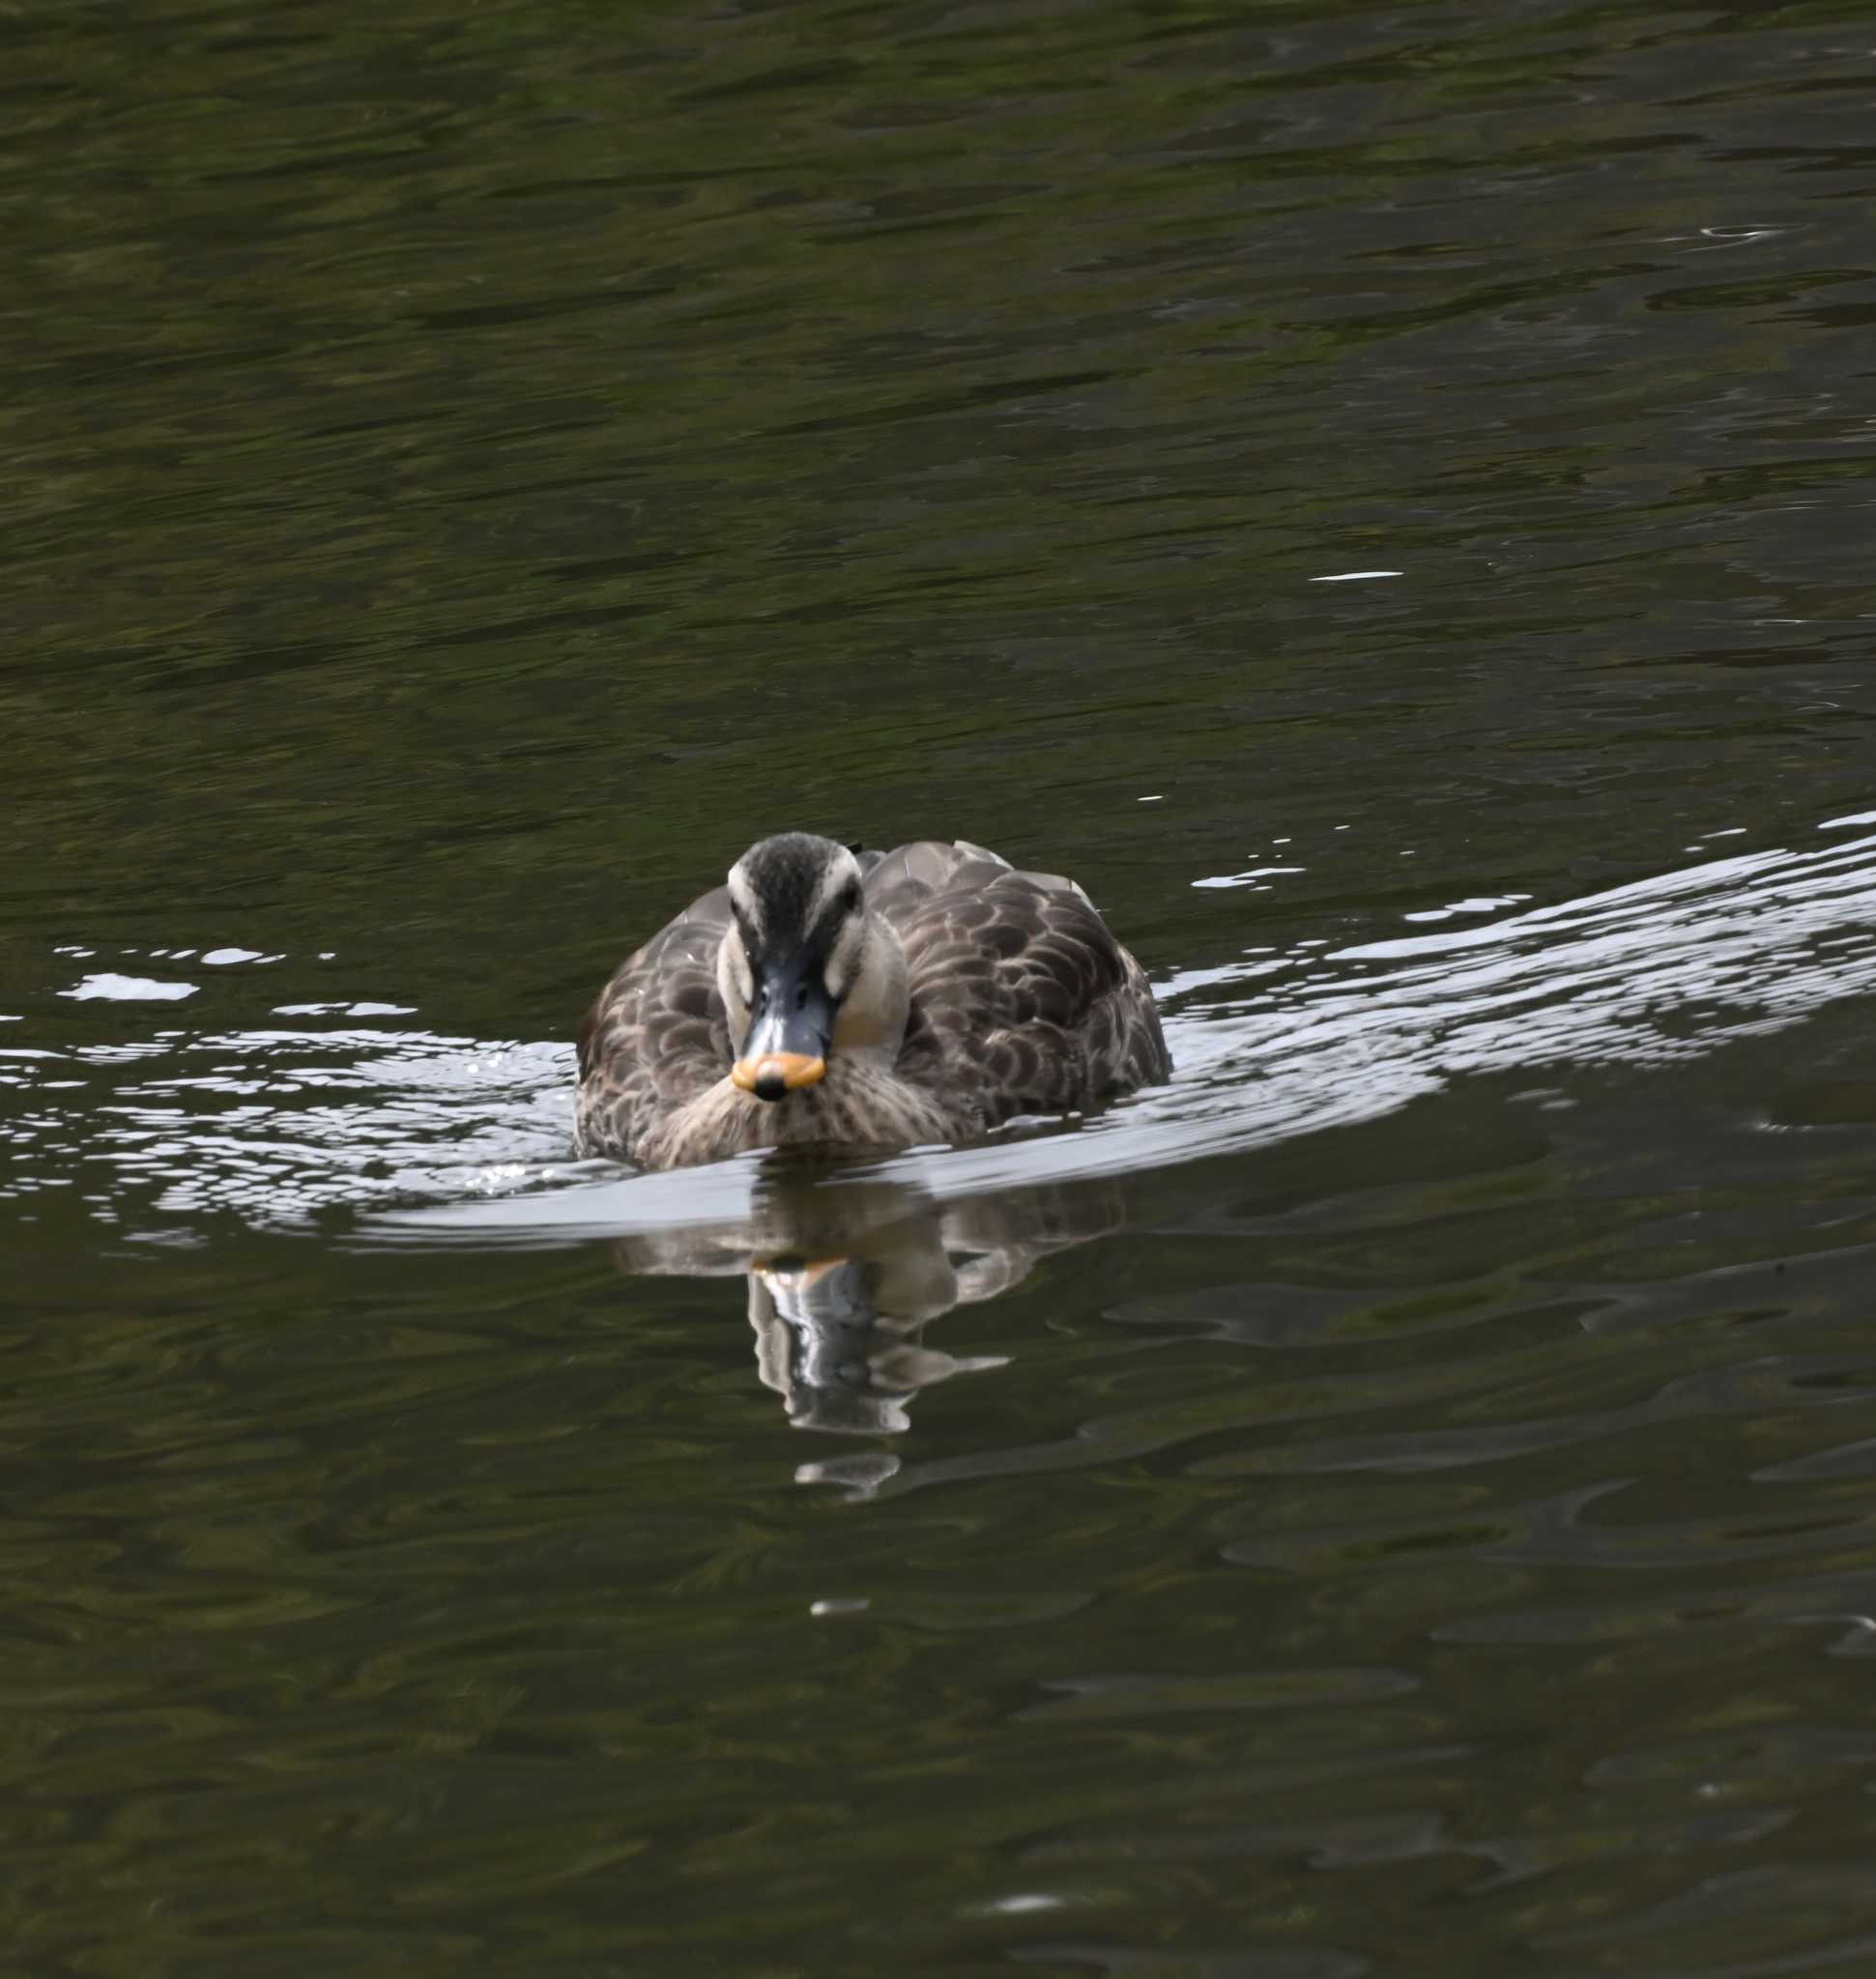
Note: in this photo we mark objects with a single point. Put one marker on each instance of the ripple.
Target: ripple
(466, 1140)
(1658, 972)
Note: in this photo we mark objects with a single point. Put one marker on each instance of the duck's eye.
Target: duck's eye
(800, 996)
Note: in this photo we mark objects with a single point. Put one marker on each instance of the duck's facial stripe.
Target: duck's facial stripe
(744, 904)
(747, 932)
(843, 964)
(737, 959)
(838, 884)
(833, 943)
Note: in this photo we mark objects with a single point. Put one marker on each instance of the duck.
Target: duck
(830, 997)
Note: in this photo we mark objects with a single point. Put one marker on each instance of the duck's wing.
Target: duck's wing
(1022, 999)
(658, 1035)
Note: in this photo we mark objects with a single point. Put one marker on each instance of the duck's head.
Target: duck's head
(805, 972)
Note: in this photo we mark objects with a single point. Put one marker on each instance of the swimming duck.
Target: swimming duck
(829, 995)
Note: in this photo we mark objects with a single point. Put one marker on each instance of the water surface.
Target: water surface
(1381, 494)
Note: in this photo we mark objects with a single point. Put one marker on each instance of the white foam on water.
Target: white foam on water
(111, 987)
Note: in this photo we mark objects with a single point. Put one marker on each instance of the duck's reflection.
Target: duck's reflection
(845, 1276)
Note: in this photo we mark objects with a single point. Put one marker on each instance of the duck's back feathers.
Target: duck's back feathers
(1021, 1000)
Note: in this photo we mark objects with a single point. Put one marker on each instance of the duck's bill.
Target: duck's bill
(776, 1073)
(786, 1048)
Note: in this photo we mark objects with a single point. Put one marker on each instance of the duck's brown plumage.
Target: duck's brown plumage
(1021, 1001)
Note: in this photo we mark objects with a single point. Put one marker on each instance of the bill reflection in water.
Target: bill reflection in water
(843, 1282)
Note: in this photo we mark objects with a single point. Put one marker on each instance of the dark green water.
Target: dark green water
(1400, 1500)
